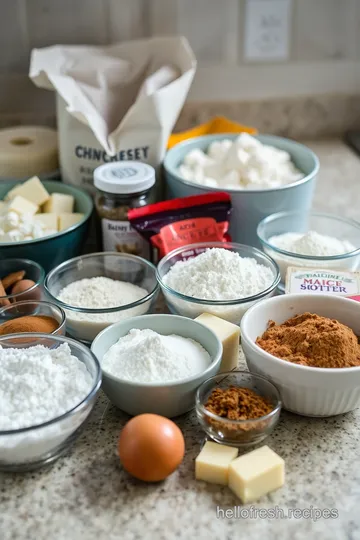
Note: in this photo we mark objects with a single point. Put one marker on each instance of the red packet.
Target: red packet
(171, 224)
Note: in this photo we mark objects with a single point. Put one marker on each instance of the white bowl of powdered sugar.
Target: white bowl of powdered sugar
(155, 363)
(221, 278)
(310, 240)
(100, 289)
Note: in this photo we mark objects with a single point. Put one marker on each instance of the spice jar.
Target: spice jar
(121, 186)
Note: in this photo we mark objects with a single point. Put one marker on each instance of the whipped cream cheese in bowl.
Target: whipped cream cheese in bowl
(260, 173)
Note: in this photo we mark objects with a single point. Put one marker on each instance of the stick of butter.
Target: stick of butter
(22, 206)
(59, 202)
(50, 221)
(32, 190)
(228, 334)
(68, 219)
(212, 464)
(254, 474)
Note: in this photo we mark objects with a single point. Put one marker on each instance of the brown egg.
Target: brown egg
(24, 285)
(151, 447)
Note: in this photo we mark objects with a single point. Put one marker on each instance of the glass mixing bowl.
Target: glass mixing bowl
(239, 433)
(231, 310)
(302, 222)
(86, 323)
(32, 447)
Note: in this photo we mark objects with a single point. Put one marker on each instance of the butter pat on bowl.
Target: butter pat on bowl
(229, 335)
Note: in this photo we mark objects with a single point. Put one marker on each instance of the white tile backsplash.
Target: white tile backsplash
(13, 37)
(319, 31)
(323, 32)
(127, 19)
(212, 29)
(66, 21)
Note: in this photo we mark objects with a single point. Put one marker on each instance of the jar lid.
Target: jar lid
(122, 177)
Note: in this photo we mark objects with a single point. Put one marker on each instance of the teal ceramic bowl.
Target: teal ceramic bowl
(249, 207)
(57, 248)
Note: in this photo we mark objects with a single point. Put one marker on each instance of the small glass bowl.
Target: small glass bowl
(238, 433)
(32, 270)
(301, 222)
(231, 310)
(118, 266)
(28, 307)
(35, 446)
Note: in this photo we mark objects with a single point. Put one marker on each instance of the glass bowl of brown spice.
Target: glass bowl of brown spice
(32, 316)
(238, 408)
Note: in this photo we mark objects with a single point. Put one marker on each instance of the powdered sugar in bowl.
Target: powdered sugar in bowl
(310, 240)
(224, 279)
(48, 387)
(100, 289)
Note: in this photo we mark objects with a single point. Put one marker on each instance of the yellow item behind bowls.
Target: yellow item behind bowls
(218, 124)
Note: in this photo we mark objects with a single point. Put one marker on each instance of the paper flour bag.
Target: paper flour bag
(118, 102)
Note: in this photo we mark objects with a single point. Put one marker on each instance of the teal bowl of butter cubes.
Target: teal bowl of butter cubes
(51, 250)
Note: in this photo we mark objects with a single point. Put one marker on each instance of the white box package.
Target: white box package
(118, 102)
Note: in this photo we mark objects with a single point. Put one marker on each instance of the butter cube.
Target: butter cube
(228, 334)
(58, 203)
(254, 474)
(3, 206)
(32, 190)
(50, 221)
(22, 206)
(68, 219)
(212, 464)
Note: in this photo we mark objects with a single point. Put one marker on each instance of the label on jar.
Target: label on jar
(121, 237)
(322, 281)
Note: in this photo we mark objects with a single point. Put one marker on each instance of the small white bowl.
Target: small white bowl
(169, 398)
(304, 390)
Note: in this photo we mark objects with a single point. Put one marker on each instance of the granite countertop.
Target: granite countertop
(87, 495)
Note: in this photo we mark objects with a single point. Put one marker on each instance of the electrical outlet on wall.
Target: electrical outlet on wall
(267, 29)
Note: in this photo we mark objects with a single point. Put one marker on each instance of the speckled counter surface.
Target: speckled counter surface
(87, 495)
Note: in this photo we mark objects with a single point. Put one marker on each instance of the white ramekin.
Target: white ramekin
(304, 390)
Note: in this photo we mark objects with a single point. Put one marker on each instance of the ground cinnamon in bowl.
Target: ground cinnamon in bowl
(312, 340)
(236, 404)
(29, 323)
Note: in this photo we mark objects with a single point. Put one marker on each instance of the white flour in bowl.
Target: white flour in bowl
(310, 244)
(38, 384)
(217, 274)
(148, 357)
(100, 293)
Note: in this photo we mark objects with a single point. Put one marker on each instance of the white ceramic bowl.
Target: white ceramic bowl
(167, 399)
(304, 390)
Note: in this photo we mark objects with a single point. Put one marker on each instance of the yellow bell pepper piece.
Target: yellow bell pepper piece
(218, 124)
